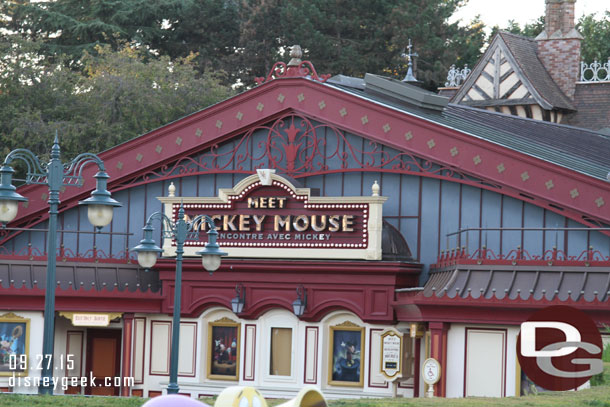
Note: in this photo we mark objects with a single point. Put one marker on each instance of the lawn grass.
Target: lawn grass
(598, 396)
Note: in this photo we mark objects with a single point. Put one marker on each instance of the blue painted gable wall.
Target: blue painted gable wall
(425, 209)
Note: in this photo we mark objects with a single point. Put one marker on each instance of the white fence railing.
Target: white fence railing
(595, 71)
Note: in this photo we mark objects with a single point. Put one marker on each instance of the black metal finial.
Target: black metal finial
(410, 77)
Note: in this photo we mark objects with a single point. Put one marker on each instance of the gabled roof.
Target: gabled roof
(578, 149)
(487, 146)
(521, 55)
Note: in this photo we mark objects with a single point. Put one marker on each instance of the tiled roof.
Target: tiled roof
(592, 100)
(127, 278)
(525, 52)
(578, 149)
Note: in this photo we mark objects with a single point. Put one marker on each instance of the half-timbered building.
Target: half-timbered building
(540, 78)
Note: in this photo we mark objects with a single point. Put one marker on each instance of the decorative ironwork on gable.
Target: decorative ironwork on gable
(297, 147)
(294, 68)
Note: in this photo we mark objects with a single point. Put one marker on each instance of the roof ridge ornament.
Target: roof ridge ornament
(295, 68)
(410, 78)
(456, 76)
(295, 53)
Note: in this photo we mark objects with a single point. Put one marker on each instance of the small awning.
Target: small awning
(526, 283)
(505, 294)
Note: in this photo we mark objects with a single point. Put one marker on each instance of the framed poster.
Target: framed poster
(223, 349)
(14, 344)
(346, 354)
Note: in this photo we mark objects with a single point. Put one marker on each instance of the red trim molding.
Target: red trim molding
(364, 288)
(127, 349)
(438, 351)
(413, 307)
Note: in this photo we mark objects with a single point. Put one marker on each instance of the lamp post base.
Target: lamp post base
(45, 390)
(172, 388)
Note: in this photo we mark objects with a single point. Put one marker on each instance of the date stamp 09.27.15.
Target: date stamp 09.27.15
(22, 371)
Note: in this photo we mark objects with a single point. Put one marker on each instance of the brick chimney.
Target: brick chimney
(559, 45)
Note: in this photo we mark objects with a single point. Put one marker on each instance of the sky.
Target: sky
(498, 12)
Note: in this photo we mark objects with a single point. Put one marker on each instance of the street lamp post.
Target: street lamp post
(55, 175)
(147, 252)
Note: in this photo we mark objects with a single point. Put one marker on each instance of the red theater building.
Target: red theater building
(374, 203)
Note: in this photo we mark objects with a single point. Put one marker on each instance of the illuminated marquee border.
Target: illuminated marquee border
(371, 206)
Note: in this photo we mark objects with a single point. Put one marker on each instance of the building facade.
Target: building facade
(377, 204)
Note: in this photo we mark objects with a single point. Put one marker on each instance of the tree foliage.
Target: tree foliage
(176, 28)
(594, 30)
(596, 33)
(245, 37)
(528, 30)
(116, 97)
(356, 37)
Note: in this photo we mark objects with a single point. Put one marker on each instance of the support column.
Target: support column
(127, 354)
(438, 351)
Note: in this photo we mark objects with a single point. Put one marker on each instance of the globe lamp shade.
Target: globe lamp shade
(210, 262)
(8, 210)
(100, 215)
(100, 202)
(147, 259)
(9, 197)
(147, 251)
(211, 253)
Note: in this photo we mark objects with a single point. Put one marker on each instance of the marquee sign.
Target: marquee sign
(265, 215)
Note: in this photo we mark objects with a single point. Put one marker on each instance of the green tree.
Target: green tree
(438, 43)
(260, 40)
(594, 30)
(596, 33)
(176, 28)
(118, 96)
(528, 30)
(355, 37)
(34, 96)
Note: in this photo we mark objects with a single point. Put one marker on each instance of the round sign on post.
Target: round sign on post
(431, 374)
